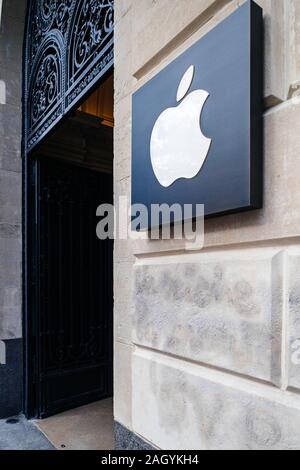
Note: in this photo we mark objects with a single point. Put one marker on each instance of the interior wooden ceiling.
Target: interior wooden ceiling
(101, 103)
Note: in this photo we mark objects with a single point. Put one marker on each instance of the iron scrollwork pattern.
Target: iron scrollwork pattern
(68, 48)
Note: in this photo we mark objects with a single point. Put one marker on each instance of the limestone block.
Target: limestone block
(221, 309)
(13, 87)
(14, 9)
(123, 166)
(123, 280)
(10, 291)
(10, 149)
(10, 197)
(276, 89)
(10, 297)
(166, 26)
(10, 231)
(123, 251)
(2, 343)
(160, 25)
(10, 262)
(192, 407)
(293, 338)
(122, 384)
(124, 79)
(10, 158)
(123, 321)
(11, 42)
(2, 92)
(10, 129)
(122, 140)
(293, 55)
(11, 49)
(122, 188)
(122, 7)
(10, 323)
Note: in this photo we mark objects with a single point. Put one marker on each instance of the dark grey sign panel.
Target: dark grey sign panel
(197, 125)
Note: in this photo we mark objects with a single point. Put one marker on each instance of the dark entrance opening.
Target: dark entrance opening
(69, 321)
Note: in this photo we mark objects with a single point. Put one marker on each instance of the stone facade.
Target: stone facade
(11, 43)
(207, 345)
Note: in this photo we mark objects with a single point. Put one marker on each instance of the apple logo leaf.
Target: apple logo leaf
(185, 83)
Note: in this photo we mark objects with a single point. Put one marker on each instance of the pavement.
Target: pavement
(90, 427)
(17, 433)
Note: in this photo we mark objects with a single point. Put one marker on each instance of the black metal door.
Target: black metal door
(74, 289)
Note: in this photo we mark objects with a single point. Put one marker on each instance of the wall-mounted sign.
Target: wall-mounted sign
(197, 125)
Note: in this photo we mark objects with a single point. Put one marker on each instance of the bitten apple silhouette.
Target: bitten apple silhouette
(178, 147)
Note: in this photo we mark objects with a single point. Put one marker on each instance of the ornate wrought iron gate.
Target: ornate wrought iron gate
(68, 51)
(68, 48)
(74, 341)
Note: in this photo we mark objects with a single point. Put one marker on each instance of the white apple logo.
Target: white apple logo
(178, 147)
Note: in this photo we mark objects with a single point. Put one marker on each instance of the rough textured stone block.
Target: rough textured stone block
(183, 406)
(293, 339)
(10, 294)
(10, 197)
(10, 322)
(10, 231)
(10, 141)
(11, 127)
(223, 309)
(11, 258)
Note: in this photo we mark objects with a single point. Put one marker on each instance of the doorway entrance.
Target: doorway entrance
(69, 332)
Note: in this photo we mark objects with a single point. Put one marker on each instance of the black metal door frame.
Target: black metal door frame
(103, 61)
(29, 287)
